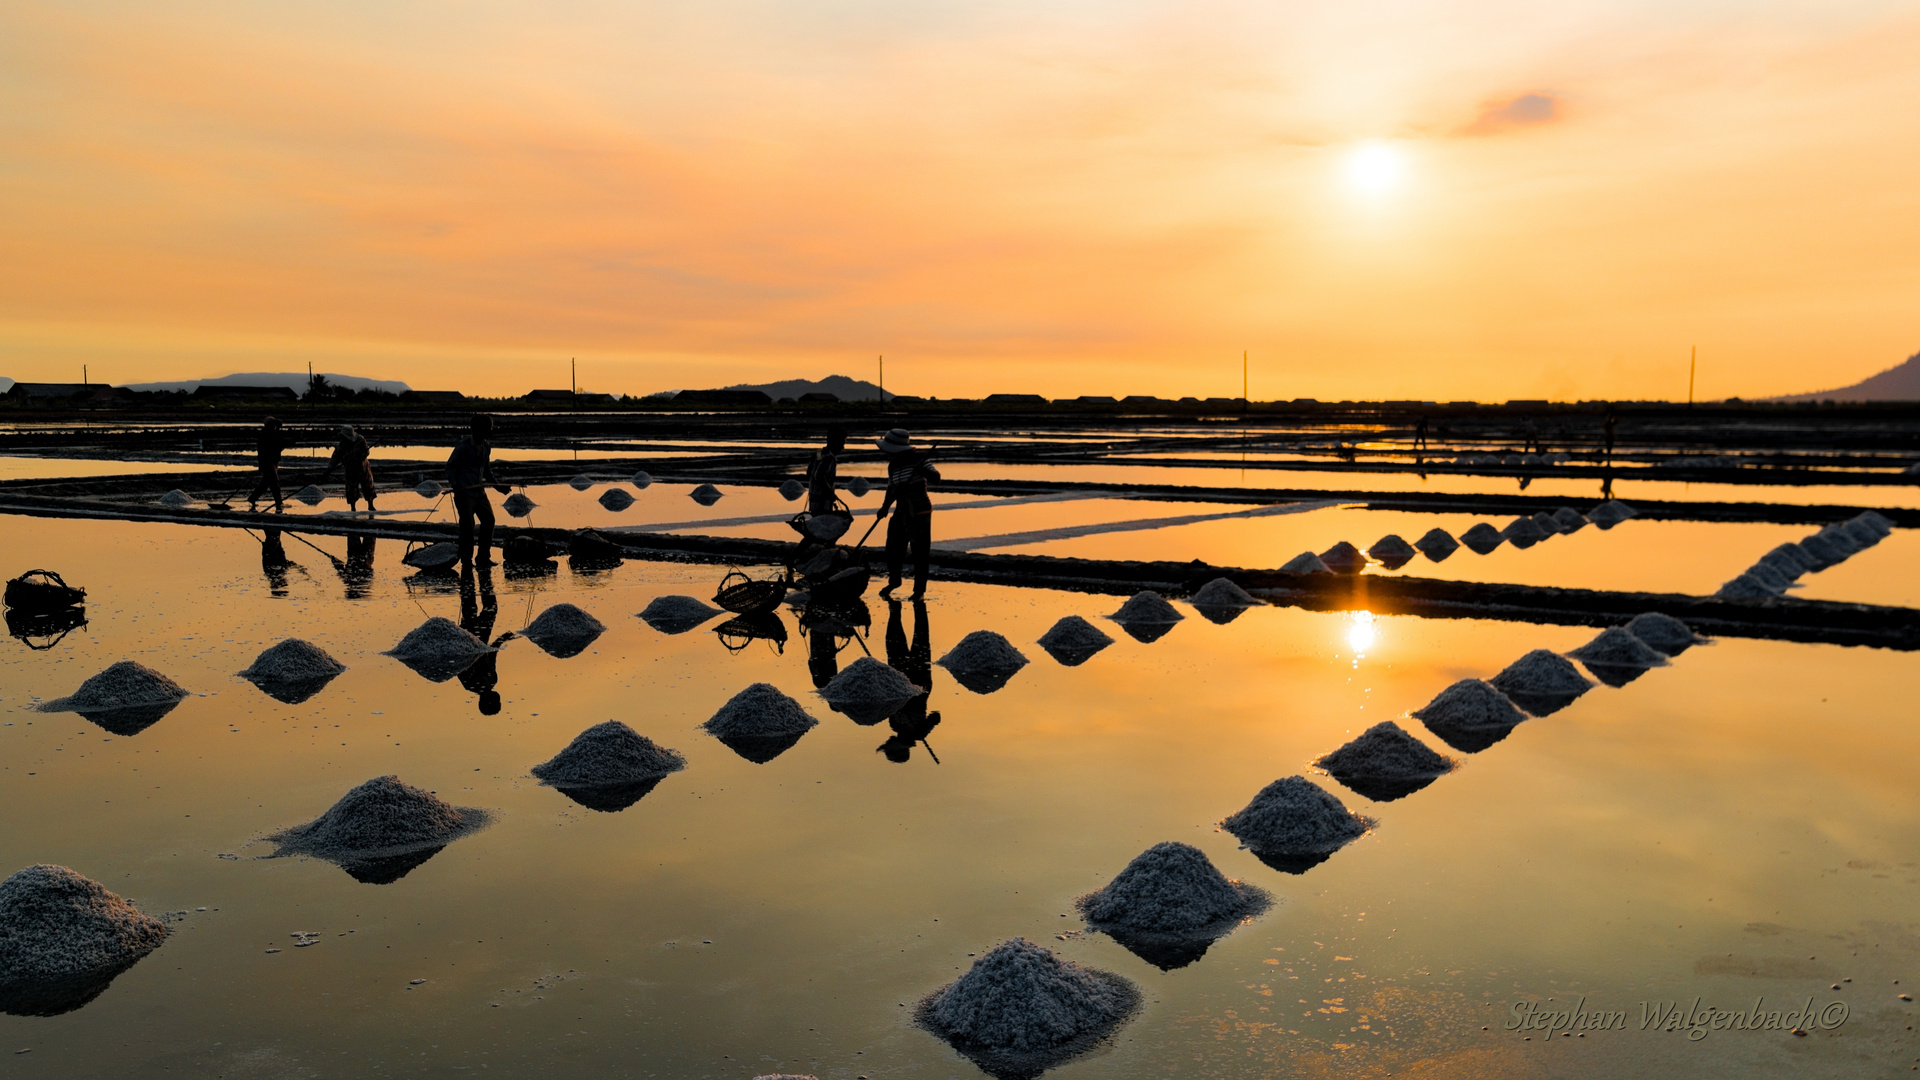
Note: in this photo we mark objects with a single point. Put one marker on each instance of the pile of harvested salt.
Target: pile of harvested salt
(293, 670)
(1542, 682)
(1470, 705)
(63, 937)
(1547, 522)
(705, 494)
(983, 661)
(1786, 565)
(1524, 532)
(1392, 552)
(760, 711)
(1766, 575)
(1171, 890)
(518, 504)
(868, 691)
(311, 495)
(1147, 607)
(1385, 763)
(378, 820)
(1862, 533)
(1437, 544)
(1664, 633)
(124, 685)
(1021, 1010)
(1482, 538)
(1616, 657)
(1220, 601)
(792, 490)
(1305, 563)
(581, 482)
(1747, 587)
(428, 489)
(1837, 536)
(1295, 822)
(439, 649)
(1611, 513)
(1568, 520)
(175, 498)
(433, 557)
(1073, 640)
(1343, 558)
(589, 548)
(607, 755)
(563, 630)
(859, 486)
(616, 499)
(677, 614)
(1823, 551)
(642, 480)
(1876, 521)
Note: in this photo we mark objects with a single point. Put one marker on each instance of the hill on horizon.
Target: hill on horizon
(296, 380)
(1898, 383)
(840, 386)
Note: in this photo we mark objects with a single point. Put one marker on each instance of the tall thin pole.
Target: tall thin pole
(1243, 376)
(1693, 362)
(883, 378)
(83, 374)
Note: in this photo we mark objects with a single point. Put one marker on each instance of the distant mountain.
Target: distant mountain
(297, 380)
(1901, 383)
(839, 386)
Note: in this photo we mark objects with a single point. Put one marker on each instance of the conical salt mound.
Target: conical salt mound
(63, 939)
(293, 670)
(1021, 1010)
(123, 685)
(642, 480)
(1768, 576)
(868, 691)
(1839, 538)
(517, 504)
(859, 486)
(616, 499)
(1305, 563)
(1437, 544)
(1482, 538)
(1470, 716)
(1617, 657)
(428, 489)
(175, 498)
(1343, 558)
(381, 819)
(1147, 607)
(705, 494)
(1294, 818)
(438, 638)
(1524, 532)
(677, 614)
(1876, 521)
(581, 482)
(1568, 520)
(1385, 763)
(1791, 554)
(1073, 640)
(1822, 551)
(1788, 567)
(1542, 682)
(1747, 587)
(1611, 513)
(563, 631)
(1220, 601)
(983, 661)
(1392, 552)
(609, 755)
(1171, 890)
(311, 495)
(792, 490)
(1664, 633)
(760, 711)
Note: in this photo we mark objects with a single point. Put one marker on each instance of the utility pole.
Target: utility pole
(883, 378)
(1243, 377)
(1693, 362)
(573, 374)
(83, 374)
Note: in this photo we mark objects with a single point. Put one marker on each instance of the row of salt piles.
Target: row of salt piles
(1394, 552)
(1779, 569)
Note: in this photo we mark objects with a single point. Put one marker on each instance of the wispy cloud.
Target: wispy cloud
(1527, 110)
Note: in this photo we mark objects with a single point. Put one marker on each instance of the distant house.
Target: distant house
(434, 397)
(1527, 403)
(905, 399)
(1142, 399)
(548, 396)
(1094, 399)
(39, 393)
(819, 397)
(722, 397)
(1015, 399)
(207, 392)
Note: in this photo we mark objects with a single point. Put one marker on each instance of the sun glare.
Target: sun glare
(1374, 168)
(1361, 633)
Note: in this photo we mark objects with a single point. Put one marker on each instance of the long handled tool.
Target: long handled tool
(337, 564)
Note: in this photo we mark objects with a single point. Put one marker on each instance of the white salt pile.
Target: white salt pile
(1146, 607)
(1766, 575)
(1386, 759)
(1220, 593)
(1876, 521)
(428, 489)
(62, 937)
(438, 649)
(1171, 890)
(1305, 563)
(1482, 538)
(859, 486)
(175, 498)
(1437, 544)
(792, 490)
(292, 665)
(1747, 587)
(1611, 513)
(1541, 682)
(641, 479)
(1073, 640)
(705, 494)
(983, 661)
(616, 499)
(677, 614)
(1569, 520)
(760, 711)
(1822, 551)
(1863, 534)
(606, 755)
(1664, 633)
(868, 691)
(1471, 705)
(380, 818)
(1392, 551)
(1343, 558)
(123, 685)
(1793, 553)
(1616, 647)
(1524, 532)
(581, 482)
(1020, 1009)
(1787, 566)
(1295, 816)
(433, 557)
(311, 495)
(1838, 537)
(1548, 524)
(563, 630)
(518, 504)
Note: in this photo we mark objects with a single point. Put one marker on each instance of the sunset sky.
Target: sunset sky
(1486, 200)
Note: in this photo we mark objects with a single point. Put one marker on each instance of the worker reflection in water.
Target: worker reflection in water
(478, 610)
(357, 572)
(913, 722)
(274, 562)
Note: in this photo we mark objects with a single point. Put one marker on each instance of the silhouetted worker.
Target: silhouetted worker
(274, 562)
(913, 722)
(469, 471)
(1608, 425)
(908, 473)
(354, 457)
(1420, 435)
(357, 572)
(478, 610)
(823, 474)
(272, 444)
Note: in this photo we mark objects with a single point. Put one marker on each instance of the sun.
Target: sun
(1374, 167)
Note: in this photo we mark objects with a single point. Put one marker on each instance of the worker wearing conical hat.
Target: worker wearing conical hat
(908, 473)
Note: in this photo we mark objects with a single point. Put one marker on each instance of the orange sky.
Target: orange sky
(1466, 200)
